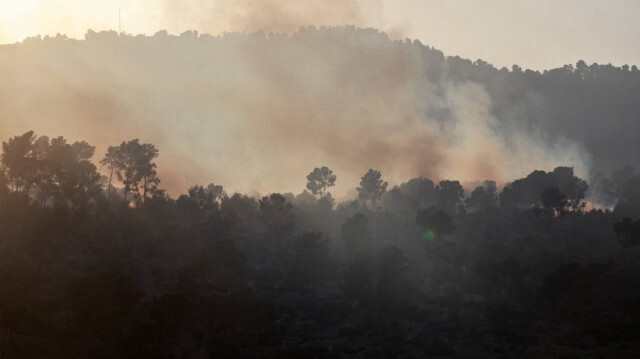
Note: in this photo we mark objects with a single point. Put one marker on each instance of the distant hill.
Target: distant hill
(247, 108)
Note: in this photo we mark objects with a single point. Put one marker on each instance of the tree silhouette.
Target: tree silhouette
(205, 198)
(372, 187)
(277, 213)
(73, 175)
(555, 201)
(18, 161)
(112, 160)
(573, 187)
(449, 195)
(4, 182)
(54, 167)
(41, 152)
(483, 197)
(420, 191)
(240, 207)
(319, 180)
(526, 191)
(134, 167)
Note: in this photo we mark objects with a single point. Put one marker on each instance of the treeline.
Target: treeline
(111, 266)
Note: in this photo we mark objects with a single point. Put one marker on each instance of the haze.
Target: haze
(323, 179)
(256, 112)
(533, 34)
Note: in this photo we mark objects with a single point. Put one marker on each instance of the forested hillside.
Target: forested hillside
(331, 193)
(111, 266)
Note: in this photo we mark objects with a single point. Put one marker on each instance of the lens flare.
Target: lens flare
(429, 235)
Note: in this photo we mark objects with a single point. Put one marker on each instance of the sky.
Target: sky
(536, 34)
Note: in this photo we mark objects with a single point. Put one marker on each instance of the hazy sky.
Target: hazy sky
(537, 34)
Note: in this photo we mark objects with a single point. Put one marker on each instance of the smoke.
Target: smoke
(271, 16)
(478, 148)
(252, 112)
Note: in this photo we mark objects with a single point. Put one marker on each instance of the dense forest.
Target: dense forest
(109, 265)
(104, 255)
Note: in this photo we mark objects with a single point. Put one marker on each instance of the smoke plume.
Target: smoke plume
(257, 113)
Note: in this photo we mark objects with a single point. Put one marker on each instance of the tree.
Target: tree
(449, 195)
(554, 201)
(59, 159)
(573, 187)
(277, 213)
(54, 167)
(18, 161)
(239, 207)
(134, 167)
(526, 191)
(113, 160)
(41, 151)
(483, 197)
(420, 191)
(74, 177)
(319, 180)
(508, 198)
(4, 182)
(205, 198)
(147, 171)
(83, 183)
(372, 187)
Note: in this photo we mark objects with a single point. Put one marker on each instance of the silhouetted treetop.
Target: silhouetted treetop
(525, 192)
(319, 180)
(52, 168)
(134, 167)
(449, 195)
(278, 214)
(372, 187)
(18, 161)
(553, 200)
(483, 198)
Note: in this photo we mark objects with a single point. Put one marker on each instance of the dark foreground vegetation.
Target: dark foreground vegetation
(110, 266)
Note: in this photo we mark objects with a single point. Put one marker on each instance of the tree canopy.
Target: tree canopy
(372, 187)
(319, 180)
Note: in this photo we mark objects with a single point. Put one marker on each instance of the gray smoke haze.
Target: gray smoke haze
(271, 16)
(258, 114)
